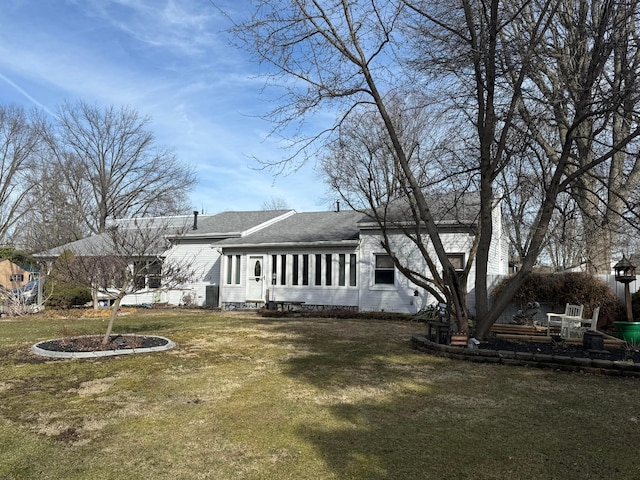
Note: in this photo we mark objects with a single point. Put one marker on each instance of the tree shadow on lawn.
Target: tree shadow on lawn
(374, 393)
(395, 413)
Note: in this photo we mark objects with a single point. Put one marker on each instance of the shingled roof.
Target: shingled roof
(221, 225)
(301, 228)
(452, 208)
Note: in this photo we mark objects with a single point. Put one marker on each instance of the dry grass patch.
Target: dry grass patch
(243, 397)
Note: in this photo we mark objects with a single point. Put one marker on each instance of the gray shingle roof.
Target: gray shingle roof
(309, 227)
(278, 226)
(213, 226)
(453, 208)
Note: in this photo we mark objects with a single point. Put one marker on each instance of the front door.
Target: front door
(255, 270)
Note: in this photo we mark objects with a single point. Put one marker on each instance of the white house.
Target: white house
(321, 259)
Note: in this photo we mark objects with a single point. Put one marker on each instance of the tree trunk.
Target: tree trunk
(112, 319)
(94, 298)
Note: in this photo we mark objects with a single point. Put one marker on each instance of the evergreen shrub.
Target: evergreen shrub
(67, 295)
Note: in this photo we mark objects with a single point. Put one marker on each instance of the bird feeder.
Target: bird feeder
(625, 273)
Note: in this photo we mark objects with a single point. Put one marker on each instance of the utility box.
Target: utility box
(212, 296)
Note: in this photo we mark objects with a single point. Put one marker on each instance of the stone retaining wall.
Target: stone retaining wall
(525, 359)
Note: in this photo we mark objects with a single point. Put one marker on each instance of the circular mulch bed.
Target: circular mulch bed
(91, 345)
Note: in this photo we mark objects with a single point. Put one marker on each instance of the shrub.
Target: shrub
(561, 288)
(67, 295)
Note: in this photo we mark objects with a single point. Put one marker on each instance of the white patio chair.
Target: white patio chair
(570, 311)
(576, 329)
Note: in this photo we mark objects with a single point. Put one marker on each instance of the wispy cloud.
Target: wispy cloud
(25, 94)
(169, 60)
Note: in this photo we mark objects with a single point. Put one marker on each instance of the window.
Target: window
(352, 270)
(154, 274)
(457, 260)
(237, 282)
(274, 269)
(327, 273)
(342, 265)
(283, 270)
(229, 269)
(233, 269)
(139, 279)
(318, 269)
(384, 270)
(295, 268)
(16, 277)
(148, 273)
(305, 269)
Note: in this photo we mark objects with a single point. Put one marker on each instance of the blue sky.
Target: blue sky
(170, 60)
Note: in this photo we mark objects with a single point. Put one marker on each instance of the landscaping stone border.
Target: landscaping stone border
(523, 359)
(102, 353)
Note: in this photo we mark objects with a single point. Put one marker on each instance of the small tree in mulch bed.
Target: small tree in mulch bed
(125, 259)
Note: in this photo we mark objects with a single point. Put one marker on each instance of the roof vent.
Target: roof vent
(195, 220)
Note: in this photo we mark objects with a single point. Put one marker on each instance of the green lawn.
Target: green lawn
(242, 397)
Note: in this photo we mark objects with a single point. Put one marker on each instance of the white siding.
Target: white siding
(400, 296)
(499, 248)
(202, 258)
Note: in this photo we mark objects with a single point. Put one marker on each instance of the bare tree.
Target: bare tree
(361, 165)
(342, 53)
(19, 146)
(112, 167)
(129, 256)
(482, 55)
(54, 220)
(276, 203)
(594, 40)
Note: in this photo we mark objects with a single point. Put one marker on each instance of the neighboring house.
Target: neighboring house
(14, 276)
(324, 259)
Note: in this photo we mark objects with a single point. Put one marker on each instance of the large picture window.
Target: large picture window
(384, 270)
